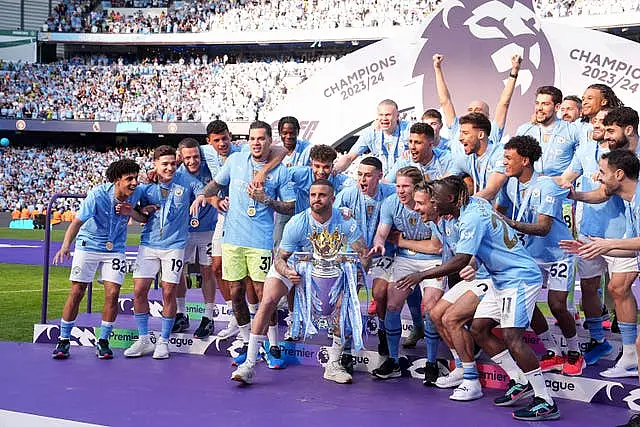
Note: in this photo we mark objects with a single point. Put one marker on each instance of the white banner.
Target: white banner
(477, 39)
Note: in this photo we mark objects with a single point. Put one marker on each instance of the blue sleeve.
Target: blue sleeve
(454, 129)
(354, 231)
(576, 164)
(304, 157)
(341, 199)
(446, 160)
(502, 198)
(471, 233)
(223, 177)
(196, 187)
(391, 173)
(497, 160)
(458, 164)
(87, 207)
(363, 143)
(551, 198)
(284, 190)
(386, 212)
(496, 132)
(290, 236)
(298, 174)
(244, 148)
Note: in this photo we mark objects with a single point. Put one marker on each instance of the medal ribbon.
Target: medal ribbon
(165, 206)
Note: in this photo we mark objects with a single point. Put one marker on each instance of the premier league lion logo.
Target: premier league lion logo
(478, 39)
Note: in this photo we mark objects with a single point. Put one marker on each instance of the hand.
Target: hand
(152, 176)
(376, 249)
(257, 193)
(598, 246)
(408, 281)
(149, 209)
(199, 202)
(124, 209)
(375, 124)
(62, 254)
(259, 178)
(223, 204)
(437, 60)
(346, 213)
(293, 276)
(516, 60)
(596, 176)
(468, 273)
(571, 246)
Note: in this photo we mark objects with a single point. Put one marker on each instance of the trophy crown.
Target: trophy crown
(327, 245)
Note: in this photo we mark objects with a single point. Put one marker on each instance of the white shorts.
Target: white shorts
(478, 286)
(510, 307)
(559, 275)
(273, 274)
(111, 267)
(216, 242)
(405, 266)
(200, 243)
(596, 267)
(150, 261)
(381, 268)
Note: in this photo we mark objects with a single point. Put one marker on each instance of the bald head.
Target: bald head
(478, 106)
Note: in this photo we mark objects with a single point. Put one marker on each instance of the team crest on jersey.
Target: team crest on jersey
(447, 231)
(179, 191)
(413, 221)
(535, 192)
(369, 210)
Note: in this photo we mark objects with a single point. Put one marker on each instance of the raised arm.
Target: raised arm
(505, 98)
(444, 96)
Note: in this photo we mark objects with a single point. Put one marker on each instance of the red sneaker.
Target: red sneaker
(372, 308)
(550, 362)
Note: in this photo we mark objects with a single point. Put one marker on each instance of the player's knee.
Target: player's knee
(379, 293)
(618, 290)
(557, 306)
(478, 331)
(450, 320)
(77, 292)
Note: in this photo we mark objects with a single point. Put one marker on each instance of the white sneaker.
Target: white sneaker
(454, 379)
(231, 330)
(620, 371)
(288, 335)
(468, 390)
(334, 371)
(244, 373)
(162, 349)
(140, 347)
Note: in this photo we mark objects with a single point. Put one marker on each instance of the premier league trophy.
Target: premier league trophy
(327, 275)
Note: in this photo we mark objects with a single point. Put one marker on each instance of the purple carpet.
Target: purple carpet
(196, 391)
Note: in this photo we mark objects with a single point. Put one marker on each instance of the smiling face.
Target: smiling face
(569, 110)
(425, 206)
(321, 170)
(420, 147)
(126, 184)
(470, 138)
(615, 136)
(259, 142)
(598, 128)
(592, 102)
(165, 167)
(404, 189)
(514, 163)
(289, 136)
(191, 159)
(609, 177)
(545, 109)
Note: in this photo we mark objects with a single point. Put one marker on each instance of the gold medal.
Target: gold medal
(251, 211)
(109, 246)
(195, 222)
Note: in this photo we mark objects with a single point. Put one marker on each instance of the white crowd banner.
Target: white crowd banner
(478, 39)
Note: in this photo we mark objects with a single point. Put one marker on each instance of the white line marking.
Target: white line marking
(9, 418)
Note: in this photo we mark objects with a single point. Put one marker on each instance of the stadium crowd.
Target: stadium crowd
(197, 89)
(30, 176)
(233, 15)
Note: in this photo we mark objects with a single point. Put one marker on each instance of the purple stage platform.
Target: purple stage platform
(197, 391)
